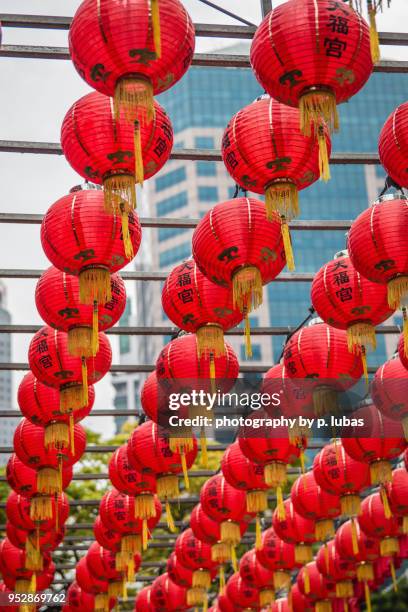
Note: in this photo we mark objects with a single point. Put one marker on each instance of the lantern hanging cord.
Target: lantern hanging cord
(302, 324)
(389, 184)
(238, 188)
(222, 10)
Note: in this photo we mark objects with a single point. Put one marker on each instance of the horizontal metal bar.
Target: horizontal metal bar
(167, 331)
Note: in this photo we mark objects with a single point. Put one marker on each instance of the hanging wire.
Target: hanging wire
(222, 10)
(237, 191)
(302, 324)
(391, 184)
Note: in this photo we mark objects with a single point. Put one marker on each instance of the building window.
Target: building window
(179, 144)
(171, 178)
(177, 254)
(173, 203)
(165, 233)
(206, 168)
(204, 142)
(256, 352)
(207, 193)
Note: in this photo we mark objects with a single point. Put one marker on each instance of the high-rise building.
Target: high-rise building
(8, 425)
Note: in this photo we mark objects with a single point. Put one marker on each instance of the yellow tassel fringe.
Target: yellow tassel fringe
(281, 580)
(365, 571)
(287, 245)
(135, 96)
(210, 339)
(101, 602)
(315, 107)
(325, 401)
(324, 530)
(34, 558)
(306, 580)
(354, 536)
(195, 596)
(275, 474)
(167, 486)
(137, 140)
(281, 197)
(266, 597)
(169, 518)
(71, 398)
(303, 554)
(48, 481)
(374, 39)
(94, 286)
(389, 547)
(247, 335)
(230, 533)
(80, 341)
(361, 334)
(324, 166)
(385, 503)
(350, 505)
(323, 606)
(56, 435)
(247, 289)
(397, 289)
(344, 588)
(258, 533)
(221, 552)
(115, 589)
(256, 501)
(155, 12)
(185, 470)
(144, 506)
(201, 579)
(380, 472)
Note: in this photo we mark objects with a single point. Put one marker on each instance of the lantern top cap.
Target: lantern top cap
(342, 253)
(85, 187)
(391, 196)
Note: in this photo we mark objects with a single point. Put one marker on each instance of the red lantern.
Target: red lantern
(132, 52)
(346, 300)
(106, 536)
(184, 577)
(376, 523)
(199, 306)
(35, 544)
(331, 44)
(278, 556)
(20, 513)
(225, 604)
(241, 594)
(225, 504)
(92, 585)
(258, 576)
(109, 150)
(392, 145)
(235, 247)
(397, 494)
(337, 570)
(297, 530)
(339, 474)
(292, 400)
(379, 442)
(40, 404)
(312, 502)
(264, 151)
(29, 445)
(196, 555)
(299, 603)
(80, 600)
(378, 250)
(101, 563)
(166, 596)
(57, 301)
(14, 562)
(320, 352)
(142, 603)
(23, 480)
(79, 237)
(53, 365)
(154, 400)
(388, 390)
(315, 587)
(140, 484)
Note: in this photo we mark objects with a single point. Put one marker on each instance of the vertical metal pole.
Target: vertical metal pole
(266, 7)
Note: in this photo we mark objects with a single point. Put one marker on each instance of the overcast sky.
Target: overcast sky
(35, 97)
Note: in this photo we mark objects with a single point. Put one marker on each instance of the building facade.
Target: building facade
(7, 425)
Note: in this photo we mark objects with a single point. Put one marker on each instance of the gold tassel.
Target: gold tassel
(287, 244)
(203, 445)
(280, 506)
(405, 525)
(169, 518)
(393, 576)
(405, 330)
(71, 398)
(326, 558)
(48, 481)
(131, 544)
(127, 241)
(230, 533)
(115, 589)
(315, 107)
(247, 335)
(234, 560)
(145, 534)
(135, 96)
(221, 552)
(167, 486)
(266, 597)
(303, 553)
(324, 166)
(95, 329)
(212, 374)
(389, 547)
(195, 596)
(281, 197)
(22, 586)
(275, 474)
(380, 472)
(80, 342)
(397, 289)
(281, 580)
(258, 533)
(155, 12)
(364, 362)
(354, 537)
(324, 530)
(144, 506)
(137, 138)
(306, 580)
(350, 505)
(201, 579)
(34, 559)
(101, 602)
(367, 597)
(119, 194)
(302, 462)
(210, 339)
(325, 400)
(247, 289)
(185, 470)
(221, 580)
(183, 441)
(344, 588)
(94, 285)
(361, 334)
(374, 39)
(72, 433)
(385, 503)
(33, 583)
(124, 589)
(84, 370)
(323, 606)
(256, 501)
(56, 435)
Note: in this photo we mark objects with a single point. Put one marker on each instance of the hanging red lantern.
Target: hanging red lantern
(58, 304)
(320, 352)
(312, 502)
(225, 604)
(392, 145)
(293, 401)
(235, 247)
(154, 400)
(388, 390)
(397, 494)
(167, 596)
(107, 149)
(376, 523)
(20, 513)
(197, 305)
(23, 479)
(143, 600)
(35, 544)
(80, 600)
(297, 530)
(346, 300)
(184, 577)
(377, 443)
(53, 365)
(126, 52)
(315, 587)
(258, 576)
(106, 536)
(101, 563)
(377, 248)
(29, 445)
(79, 237)
(331, 44)
(90, 584)
(40, 404)
(298, 602)
(278, 556)
(196, 555)
(139, 484)
(241, 594)
(14, 562)
(335, 569)
(339, 474)
(264, 151)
